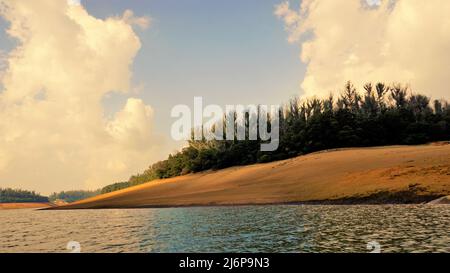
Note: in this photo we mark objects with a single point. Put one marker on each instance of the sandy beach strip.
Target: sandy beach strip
(8, 206)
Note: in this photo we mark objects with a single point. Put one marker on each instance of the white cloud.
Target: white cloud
(405, 41)
(53, 130)
(373, 2)
(74, 2)
(3, 63)
(143, 22)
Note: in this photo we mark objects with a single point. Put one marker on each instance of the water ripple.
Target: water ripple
(232, 229)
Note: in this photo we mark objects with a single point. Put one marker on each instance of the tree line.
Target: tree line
(379, 115)
(8, 195)
(72, 196)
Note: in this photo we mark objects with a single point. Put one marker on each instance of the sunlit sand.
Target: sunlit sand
(4, 206)
(329, 175)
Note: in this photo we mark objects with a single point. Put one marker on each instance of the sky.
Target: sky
(228, 52)
(86, 90)
(225, 51)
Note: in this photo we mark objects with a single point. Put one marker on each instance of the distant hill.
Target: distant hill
(72, 196)
(8, 195)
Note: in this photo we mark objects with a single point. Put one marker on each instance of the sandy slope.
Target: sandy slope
(4, 206)
(320, 176)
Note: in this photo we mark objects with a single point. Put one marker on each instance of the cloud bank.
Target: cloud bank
(53, 130)
(3, 63)
(406, 41)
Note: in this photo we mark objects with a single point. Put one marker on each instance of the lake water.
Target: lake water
(230, 229)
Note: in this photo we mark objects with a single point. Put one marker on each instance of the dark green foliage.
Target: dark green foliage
(73, 196)
(20, 196)
(382, 115)
(115, 187)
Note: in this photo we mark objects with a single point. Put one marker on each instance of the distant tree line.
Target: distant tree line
(8, 195)
(380, 115)
(73, 196)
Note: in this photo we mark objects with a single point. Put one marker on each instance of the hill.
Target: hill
(396, 174)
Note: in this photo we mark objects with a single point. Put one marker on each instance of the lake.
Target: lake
(230, 229)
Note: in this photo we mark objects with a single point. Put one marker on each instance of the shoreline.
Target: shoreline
(308, 203)
(349, 201)
(14, 206)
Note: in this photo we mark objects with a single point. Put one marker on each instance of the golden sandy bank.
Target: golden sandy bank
(4, 206)
(387, 174)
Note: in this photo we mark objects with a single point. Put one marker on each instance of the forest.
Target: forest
(8, 195)
(72, 196)
(380, 115)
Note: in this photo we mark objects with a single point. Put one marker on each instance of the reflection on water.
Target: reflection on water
(230, 229)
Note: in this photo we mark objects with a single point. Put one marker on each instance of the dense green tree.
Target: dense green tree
(118, 186)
